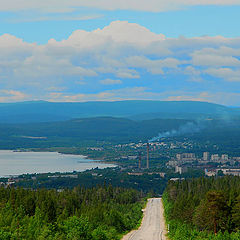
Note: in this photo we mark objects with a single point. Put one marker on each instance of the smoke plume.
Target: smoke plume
(188, 128)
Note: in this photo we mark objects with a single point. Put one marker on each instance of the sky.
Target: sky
(107, 50)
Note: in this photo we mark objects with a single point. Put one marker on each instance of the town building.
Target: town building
(215, 158)
(206, 156)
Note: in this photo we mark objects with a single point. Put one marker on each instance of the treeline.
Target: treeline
(90, 178)
(98, 213)
(203, 208)
(74, 132)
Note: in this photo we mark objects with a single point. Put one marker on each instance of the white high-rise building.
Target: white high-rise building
(206, 156)
(224, 157)
(179, 156)
(215, 158)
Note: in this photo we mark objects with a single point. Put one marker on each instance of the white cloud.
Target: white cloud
(193, 73)
(127, 73)
(119, 51)
(202, 96)
(56, 89)
(217, 61)
(109, 81)
(12, 96)
(225, 98)
(222, 56)
(123, 31)
(48, 66)
(140, 5)
(142, 93)
(225, 73)
(220, 51)
(38, 17)
(109, 95)
(153, 66)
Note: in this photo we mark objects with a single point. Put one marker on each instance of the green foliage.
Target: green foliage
(73, 132)
(113, 176)
(212, 212)
(100, 213)
(204, 208)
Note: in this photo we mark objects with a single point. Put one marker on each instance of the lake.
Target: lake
(16, 163)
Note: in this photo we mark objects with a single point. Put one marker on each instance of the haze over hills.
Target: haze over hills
(42, 111)
(111, 129)
(43, 123)
(71, 132)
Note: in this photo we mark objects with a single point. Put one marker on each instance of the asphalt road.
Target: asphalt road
(153, 224)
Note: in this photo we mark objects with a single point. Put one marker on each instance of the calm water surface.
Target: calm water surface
(16, 163)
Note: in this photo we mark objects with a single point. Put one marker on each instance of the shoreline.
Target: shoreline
(83, 160)
(75, 154)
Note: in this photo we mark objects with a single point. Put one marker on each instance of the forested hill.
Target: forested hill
(72, 131)
(204, 208)
(41, 111)
(111, 129)
(100, 213)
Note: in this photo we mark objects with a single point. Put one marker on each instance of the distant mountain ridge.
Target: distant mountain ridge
(111, 129)
(42, 111)
(72, 132)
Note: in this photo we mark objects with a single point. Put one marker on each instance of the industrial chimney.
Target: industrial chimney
(147, 155)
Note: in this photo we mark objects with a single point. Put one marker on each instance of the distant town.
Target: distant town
(224, 164)
(212, 164)
(165, 159)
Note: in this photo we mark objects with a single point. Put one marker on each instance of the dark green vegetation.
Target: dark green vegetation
(116, 177)
(109, 129)
(41, 111)
(72, 132)
(145, 183)
(98, 213)
(203, 208)
(76, 136)
(209, 127)
(225, 135)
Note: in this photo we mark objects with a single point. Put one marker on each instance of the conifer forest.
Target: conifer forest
(203, 208)
(98, 213)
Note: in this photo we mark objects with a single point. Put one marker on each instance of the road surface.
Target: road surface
(153, 223)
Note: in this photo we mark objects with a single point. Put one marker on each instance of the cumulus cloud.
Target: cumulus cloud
(108, 95)
(127, 73)
(12, 96)
(193, 73)
(153, 66)
(39, 17)
(122, 54)
(109, 81)
(217, 58)
(225, 98)
(142, 93)
(140, 5)
(225, 73)
(123, 31)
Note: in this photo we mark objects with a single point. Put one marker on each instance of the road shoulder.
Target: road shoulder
(131, 234)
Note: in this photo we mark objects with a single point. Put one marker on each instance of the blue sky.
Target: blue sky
(112, 50)
(34, 26)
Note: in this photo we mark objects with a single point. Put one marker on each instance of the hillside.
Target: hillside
(112, 129)
(204, 208)
(93, 214)
(41, 111)
(84, 129)
(119, 130)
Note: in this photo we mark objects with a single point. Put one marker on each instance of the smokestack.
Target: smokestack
(139, 160)
(147, 155)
